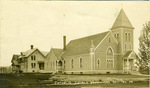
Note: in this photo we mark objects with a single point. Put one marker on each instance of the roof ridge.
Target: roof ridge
(83, 45)
(89, 36)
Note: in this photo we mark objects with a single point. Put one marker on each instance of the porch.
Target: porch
(59, 66)
(129, 62)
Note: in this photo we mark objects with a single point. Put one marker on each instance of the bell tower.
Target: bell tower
(122, 30)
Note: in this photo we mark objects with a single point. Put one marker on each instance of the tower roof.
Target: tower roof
(122, 21)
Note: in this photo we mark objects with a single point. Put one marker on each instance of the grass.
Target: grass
(11, 80)
(37, 80)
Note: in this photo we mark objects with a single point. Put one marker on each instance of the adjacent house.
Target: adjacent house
(31, 60)
(15, 65)
(103, 53)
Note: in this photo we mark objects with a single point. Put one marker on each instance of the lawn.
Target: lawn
(46, 81)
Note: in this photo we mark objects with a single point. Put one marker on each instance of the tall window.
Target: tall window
(98, 63)
(118, 35)
(51, 64)
(64, 64)
(80, 62)
(71, 63)
(33, 65)
(109, 61)
(109, 40)
(32, 57)
(129, 36)
(125, 47)
(109, 53)
(126, 36)
(130, 47)
(115, 35)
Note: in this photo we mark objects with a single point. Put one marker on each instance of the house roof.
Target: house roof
(83, 45)
(57, 52)
(122, 21)
(29, 52)
(44, 53)
(14, 59)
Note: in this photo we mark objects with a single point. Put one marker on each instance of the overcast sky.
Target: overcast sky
(43, 23)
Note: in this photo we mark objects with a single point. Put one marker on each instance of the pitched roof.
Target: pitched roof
(29, 52)
(130, 54)
(14, 59)
(44, 53)
(122, 21)
(83, 45)
(57, 52)
(127, 54)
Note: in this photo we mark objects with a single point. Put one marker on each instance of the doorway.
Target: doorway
(41, 66)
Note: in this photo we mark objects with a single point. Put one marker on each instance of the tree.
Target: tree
(144, 46)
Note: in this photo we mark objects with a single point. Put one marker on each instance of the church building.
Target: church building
(102, 53)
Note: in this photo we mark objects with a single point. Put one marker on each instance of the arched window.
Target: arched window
(98, 62)
(109, 40)
(109, 59)
(80, 62)
(126, 36)
(129, 36)
(71, 63)
(64, 64)
(109, 53)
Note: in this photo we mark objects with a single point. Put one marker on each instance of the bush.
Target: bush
(144, 69)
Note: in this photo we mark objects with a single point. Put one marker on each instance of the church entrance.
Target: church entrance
(59, 66)
(128, 65)
(129, 62)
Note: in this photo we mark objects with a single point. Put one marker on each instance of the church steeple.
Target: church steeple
(122, 21)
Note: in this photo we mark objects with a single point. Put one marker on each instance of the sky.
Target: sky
(44, 23)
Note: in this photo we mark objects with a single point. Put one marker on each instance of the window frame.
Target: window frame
(80, 62)
(98, 63)
(108, 60)
(126, 37)
(72, 64)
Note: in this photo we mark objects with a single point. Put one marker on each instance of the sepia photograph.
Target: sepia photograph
(74, 44)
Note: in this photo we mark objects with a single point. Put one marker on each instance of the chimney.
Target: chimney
(31, 46)
(64, 42)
